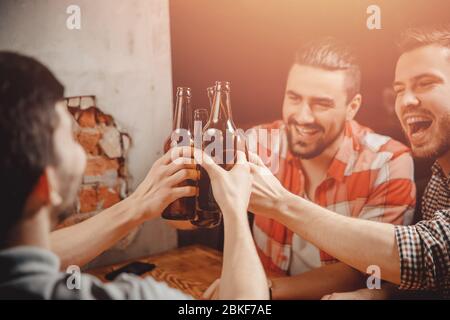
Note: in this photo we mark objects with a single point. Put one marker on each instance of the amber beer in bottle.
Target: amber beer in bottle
(183, 208)
(220, 127)
(202, 219)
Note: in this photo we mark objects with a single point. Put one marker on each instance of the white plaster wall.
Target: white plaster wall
(121, 55)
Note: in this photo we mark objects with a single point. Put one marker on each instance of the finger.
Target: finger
(207, 163)
(182, 175)
(241, 143)
(255, 159)
(240, 157)
(146, 182)
(180, 163)
(215, 295)
(241, 162)
(259, 170)
(326, 297)
(181, 192)
(252, 158)
(210, 292)
(177, 152)
(254, 168)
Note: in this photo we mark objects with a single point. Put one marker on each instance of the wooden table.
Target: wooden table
(190, 269)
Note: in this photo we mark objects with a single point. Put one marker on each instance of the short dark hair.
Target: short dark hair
(28, 119)
(416, 37)
(331, 54)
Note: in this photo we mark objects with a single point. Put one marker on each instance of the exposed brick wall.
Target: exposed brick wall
(105, 180)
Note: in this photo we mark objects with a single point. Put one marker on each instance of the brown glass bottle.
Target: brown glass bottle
(183, 208)
(201, 218)
(220, 127)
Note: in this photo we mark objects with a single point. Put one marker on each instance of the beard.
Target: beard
(320, 145)
(69, 185)
(438, 145)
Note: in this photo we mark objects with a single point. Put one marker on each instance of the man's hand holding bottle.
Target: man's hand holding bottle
(231, 188)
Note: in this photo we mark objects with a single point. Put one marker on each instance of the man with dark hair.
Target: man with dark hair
(326, 156)
(329, 54)
(415, 257)
(41, 166)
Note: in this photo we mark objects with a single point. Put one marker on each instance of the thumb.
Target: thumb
(210, 292)
(206, 162)
(255, 159)
(240, 157)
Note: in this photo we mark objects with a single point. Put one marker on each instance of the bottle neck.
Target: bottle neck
(221, 109)
(183, 113)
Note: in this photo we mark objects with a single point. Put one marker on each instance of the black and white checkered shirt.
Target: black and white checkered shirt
(424, 248)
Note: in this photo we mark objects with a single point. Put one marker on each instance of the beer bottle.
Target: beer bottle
(220, 142)
(183, 208)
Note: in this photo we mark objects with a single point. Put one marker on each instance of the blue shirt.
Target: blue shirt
(33, 273)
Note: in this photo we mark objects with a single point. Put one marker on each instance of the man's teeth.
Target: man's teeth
(412, 120)
(306, 130)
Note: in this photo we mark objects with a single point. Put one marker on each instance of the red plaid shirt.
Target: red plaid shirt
(371, 177)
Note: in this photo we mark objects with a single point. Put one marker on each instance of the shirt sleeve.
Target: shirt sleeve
(424, 251)
(125, 287)
(393, 197)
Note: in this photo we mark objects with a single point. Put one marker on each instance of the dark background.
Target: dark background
(252, 44)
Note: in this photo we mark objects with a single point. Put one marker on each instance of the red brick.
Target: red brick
(87, 118)
(97, 166)
(87, 102)
(88, 199)
(73, 102)
(75, 112)
(126, 143)
(110, 142)
(108, 197)
(89, 141)
(123, 171)
(104, 119)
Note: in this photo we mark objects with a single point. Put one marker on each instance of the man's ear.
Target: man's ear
(52, 182)
(353, 107)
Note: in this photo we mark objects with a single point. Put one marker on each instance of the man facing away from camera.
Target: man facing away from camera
(41, 166)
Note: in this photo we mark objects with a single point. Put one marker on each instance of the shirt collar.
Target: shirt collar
(346, 155)
(437, 171)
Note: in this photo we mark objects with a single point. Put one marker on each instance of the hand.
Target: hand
(231, 189)
(212, 293)
(267, 191)
(361, 294)
(161, 185)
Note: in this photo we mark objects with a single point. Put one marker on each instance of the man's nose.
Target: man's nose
(409, 99)
(304, 114)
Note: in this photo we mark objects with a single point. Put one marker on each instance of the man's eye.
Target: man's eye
(398, 91)
(294, 98)
(426, 83)
(324, 105)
